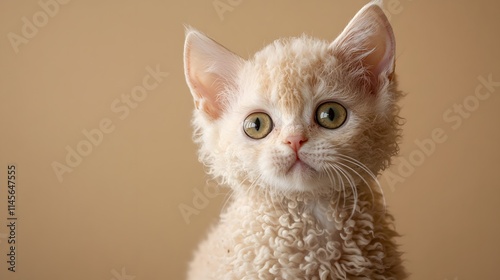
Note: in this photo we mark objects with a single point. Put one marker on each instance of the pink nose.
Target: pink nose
(295, 141)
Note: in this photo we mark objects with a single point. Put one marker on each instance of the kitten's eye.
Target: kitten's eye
(257, 125)
(331, 115)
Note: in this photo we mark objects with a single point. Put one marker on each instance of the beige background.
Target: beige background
(116, 215)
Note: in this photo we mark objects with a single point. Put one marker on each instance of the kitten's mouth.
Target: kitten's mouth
(299, 166)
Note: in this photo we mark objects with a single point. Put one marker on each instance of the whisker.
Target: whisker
(343, 174)
(351, 182)
(370, 173)
(341, 183)
(232, 193)
(330, 176)
(271, 196)
(362, 178)
(228, 197)
(333, 182)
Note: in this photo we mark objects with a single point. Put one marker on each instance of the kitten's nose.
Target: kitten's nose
(296, 141)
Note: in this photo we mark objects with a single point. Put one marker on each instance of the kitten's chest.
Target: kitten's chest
(297, 229)
(298, 239)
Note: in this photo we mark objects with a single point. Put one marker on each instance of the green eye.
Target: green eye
(257, 125)
(331, 115)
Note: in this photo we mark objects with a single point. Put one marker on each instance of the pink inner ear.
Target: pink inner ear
(380, 57)
(198, 79)
(383, 44)
(207, 90)
(210, 69)
(369, 32)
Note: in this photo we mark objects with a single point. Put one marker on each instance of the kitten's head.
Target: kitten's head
(302, 114)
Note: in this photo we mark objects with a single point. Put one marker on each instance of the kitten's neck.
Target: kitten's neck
(328, 210)
(331, 210)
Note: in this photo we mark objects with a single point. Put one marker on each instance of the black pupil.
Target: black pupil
(331, 114)
(257, 124)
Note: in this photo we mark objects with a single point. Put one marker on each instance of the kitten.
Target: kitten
(299, 133)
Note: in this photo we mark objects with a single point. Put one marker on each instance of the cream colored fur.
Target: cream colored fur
(324, 218)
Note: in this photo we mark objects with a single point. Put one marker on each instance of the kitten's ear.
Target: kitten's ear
(368, 41)
(210, 70)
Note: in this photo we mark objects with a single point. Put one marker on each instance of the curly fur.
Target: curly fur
(324, 221)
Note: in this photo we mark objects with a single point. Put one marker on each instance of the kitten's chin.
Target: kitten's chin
(299, 177)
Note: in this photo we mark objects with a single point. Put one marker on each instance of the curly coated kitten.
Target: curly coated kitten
(299, 133)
